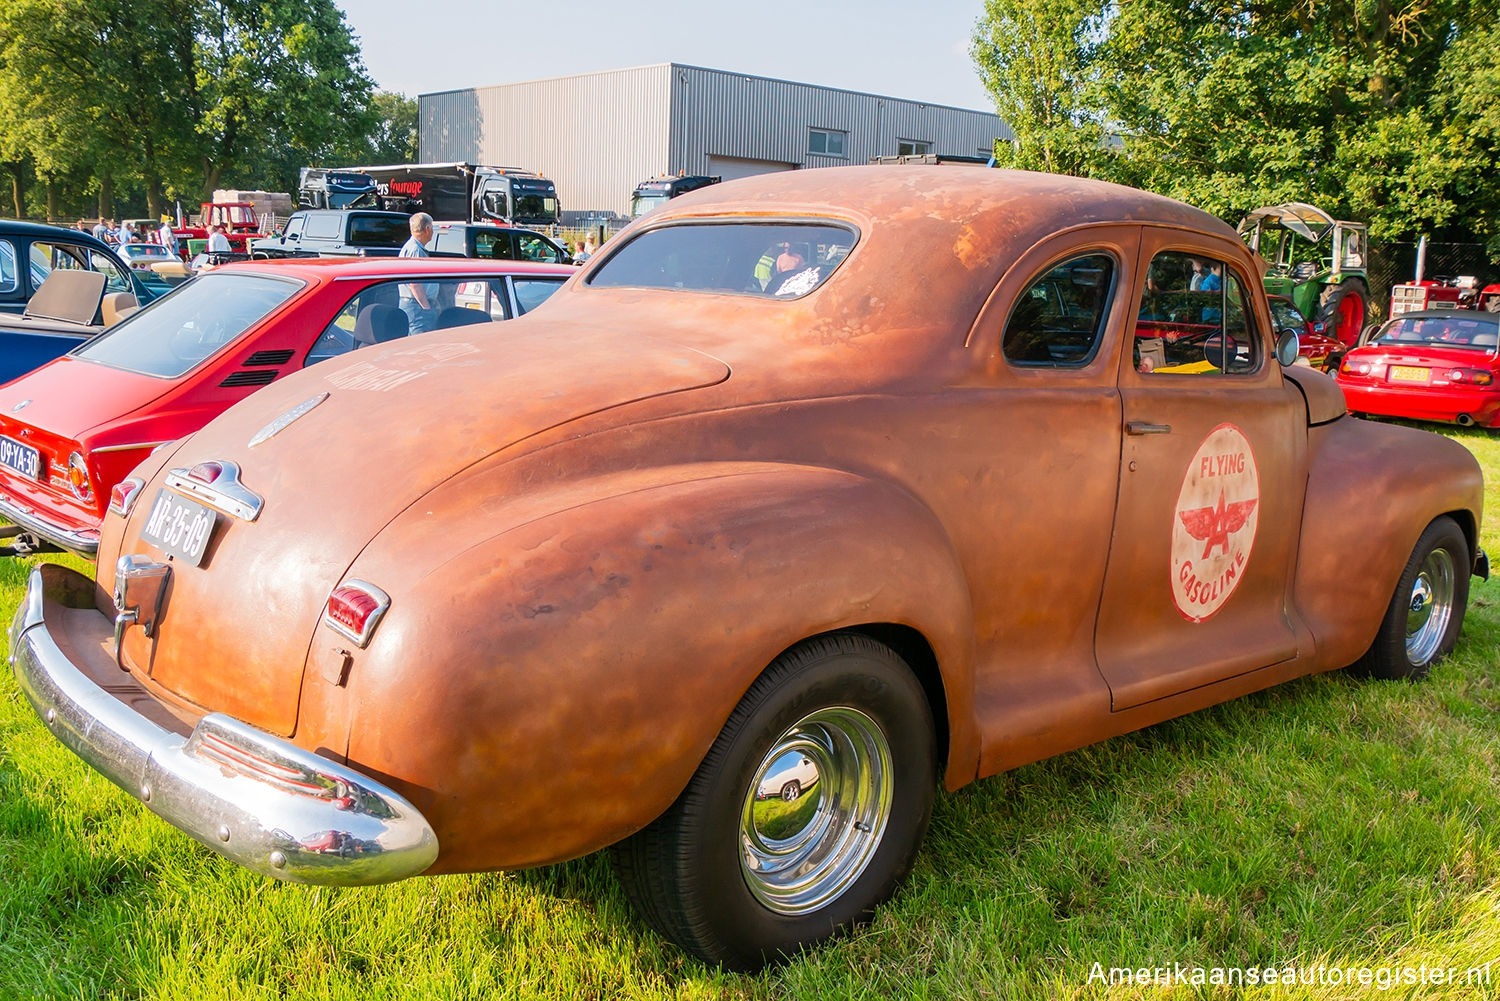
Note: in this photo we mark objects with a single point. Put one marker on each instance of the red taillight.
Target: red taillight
(1472, 376)
(78, 478)
(355, 609)
(123, 496)
(206, 472)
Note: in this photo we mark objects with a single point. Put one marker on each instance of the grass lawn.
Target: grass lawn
(1326, 821)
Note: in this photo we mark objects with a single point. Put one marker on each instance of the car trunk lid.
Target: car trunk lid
(334, 469)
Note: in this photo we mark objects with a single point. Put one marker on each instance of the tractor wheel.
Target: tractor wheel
(1343, 308)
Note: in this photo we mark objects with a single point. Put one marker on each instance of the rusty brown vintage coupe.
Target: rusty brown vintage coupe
(810, 492)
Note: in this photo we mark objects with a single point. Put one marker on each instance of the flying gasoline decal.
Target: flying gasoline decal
(1213, 528)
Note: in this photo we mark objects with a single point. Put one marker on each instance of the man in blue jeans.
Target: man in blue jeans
(419, 300)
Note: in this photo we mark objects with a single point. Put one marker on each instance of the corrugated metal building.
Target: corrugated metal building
(600, 134)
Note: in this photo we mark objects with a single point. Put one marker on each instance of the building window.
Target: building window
(912, 147)
(826, 142)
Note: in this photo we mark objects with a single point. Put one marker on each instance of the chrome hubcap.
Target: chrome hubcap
(1430, 608)
(817, 807)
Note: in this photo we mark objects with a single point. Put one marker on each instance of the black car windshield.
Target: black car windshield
(178, 331)
(1462, 329)
(767, 260)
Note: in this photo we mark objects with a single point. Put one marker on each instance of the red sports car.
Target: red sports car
(1432, 365)
(71, 431)
(1316, 347)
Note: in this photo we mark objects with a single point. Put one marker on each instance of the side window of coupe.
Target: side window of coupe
(48, 257)
(7, 266)
(534, 248)
(1058, 319)
(391, 310)
(1195, 319)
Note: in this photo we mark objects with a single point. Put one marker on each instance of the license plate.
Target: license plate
(178, 526)
(1407, 373)
(22, 458)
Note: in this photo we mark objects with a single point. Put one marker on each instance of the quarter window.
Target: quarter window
(1058, 319)
(1194, 319)
(826, 142)
(8, 274)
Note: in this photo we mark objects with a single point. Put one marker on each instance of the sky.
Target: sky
(895, 48)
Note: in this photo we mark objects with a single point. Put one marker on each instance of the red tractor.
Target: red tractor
(239, 220)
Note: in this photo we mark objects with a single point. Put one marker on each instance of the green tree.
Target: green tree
(1036, 58)
(1382, 110)
(183, 96)
(275, 84)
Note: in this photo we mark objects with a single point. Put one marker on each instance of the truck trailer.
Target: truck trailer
(463, 192)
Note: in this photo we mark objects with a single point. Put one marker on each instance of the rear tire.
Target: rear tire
(1426, 613)
(1343, 308)
(740, 878)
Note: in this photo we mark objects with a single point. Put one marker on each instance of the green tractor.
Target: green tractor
(1319, 263)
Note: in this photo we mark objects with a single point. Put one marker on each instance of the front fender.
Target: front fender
(1372, 489)
(550, 685)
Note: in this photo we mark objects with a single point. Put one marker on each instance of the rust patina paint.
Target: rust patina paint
(598, 524)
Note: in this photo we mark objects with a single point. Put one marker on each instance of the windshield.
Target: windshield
(182, 329)
(779, 260)
(641, 204)
(535, 208)
(1460, 330)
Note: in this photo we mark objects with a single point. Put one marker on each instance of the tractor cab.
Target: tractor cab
(1317, 261)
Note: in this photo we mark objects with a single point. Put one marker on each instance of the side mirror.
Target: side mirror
(1288, 344)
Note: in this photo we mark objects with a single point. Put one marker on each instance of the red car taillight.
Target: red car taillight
(122, 497)
(1470, 376)
(355, 608)
(206, 472)
(78, 478)
(1356, 367)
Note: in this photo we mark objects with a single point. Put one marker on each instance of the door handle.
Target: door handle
(1143, 427)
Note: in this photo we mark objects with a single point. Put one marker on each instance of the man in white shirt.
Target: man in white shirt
(218, 242)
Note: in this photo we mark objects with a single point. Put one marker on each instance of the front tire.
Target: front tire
(738, 878)
(1426, 613)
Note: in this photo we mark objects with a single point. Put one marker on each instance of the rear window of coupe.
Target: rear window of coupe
(767, 260)
(178, 331)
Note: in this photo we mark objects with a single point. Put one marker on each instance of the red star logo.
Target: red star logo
(1213, 525)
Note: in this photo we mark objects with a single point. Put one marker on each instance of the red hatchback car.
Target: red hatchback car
(71, 431)
(1432, 365)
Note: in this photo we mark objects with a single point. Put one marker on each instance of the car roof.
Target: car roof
(1033, 205)
(330, 268)
(36, 230)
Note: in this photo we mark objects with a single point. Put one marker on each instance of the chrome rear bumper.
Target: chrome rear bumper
(257, 799)
(84, 543)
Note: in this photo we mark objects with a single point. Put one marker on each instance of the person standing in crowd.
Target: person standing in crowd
(218, 241)
(127, 234)
(418, 299)
(167, 238)
(101, 229)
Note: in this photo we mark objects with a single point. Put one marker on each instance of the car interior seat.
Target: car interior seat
(115, 306)
(459, 316)
(378, 323)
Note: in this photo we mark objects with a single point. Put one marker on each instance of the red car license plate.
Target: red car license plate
(22, 458)
(178, 526)
(1408, 373)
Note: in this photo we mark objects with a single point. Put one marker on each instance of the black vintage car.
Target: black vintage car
(506, 243)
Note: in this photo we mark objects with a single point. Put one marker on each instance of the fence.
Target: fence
(1395, 263)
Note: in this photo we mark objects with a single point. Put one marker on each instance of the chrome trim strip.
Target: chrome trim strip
(31, 521)
(128, 448)
(258, 800)
(286, 420)
(226, 494)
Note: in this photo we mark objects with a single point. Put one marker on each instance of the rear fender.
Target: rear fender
(1372, 490)
(551, 688)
